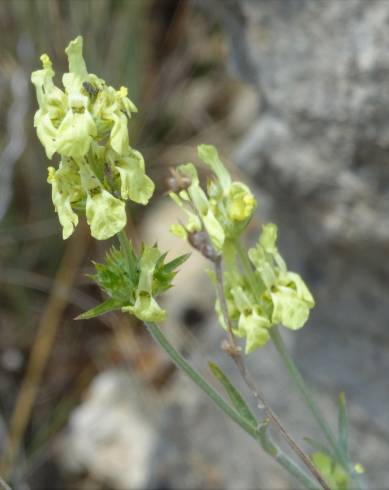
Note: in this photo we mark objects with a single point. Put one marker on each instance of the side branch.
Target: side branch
(235, 353)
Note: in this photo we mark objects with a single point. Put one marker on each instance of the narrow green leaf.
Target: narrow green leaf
(239, 404)
(173, 264)
(101, 309)
(165, 273)
(343, 424)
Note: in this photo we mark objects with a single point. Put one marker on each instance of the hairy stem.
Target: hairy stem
(180, 362)
(304, 391)
(259, 434)
(237, 357)
(285, 461)
(311, 404)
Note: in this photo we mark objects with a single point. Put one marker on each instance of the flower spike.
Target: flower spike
(86, 124)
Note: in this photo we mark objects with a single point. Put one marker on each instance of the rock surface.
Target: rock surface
(110, 435)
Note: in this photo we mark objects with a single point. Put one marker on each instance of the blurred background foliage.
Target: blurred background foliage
(171, 58)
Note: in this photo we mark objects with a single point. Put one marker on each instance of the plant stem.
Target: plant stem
(284, 460)
(235, 354)
(312, 405)
(289, 363)
(259, 435)
(180, 362)
(296, 375)
(304, 391)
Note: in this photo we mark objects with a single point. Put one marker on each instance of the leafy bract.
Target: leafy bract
(133, 282)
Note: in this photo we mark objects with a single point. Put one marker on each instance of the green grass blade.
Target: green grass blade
(343, 424)
(236, 398)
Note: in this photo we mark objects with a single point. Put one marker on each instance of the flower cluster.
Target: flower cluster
(223, 212)
(132, 282)
(280, 296)
(86, 124)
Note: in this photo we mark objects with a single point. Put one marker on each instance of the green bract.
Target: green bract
(232, 202)
(132, 282)
(86, 124)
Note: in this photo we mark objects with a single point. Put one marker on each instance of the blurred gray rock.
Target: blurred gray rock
(110, 436)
